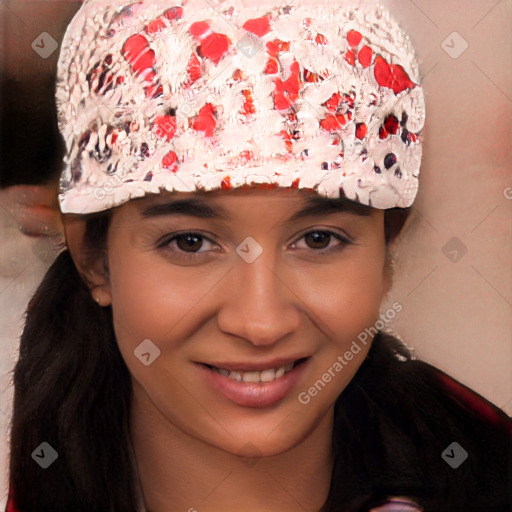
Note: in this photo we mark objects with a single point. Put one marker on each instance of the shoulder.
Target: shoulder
(431, 394)
(451, 405)
(466, 440)
(464, 397)
(420, 433)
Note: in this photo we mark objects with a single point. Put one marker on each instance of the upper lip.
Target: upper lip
(247, 366)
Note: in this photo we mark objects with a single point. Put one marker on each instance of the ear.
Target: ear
(91, 265)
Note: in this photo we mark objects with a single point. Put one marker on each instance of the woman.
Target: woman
(235, 178)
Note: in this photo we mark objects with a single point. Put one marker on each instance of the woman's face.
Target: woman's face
(255, 286)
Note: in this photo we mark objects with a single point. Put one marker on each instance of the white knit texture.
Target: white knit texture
(244, 148)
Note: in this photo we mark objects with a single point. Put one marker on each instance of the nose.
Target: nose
(259, 304)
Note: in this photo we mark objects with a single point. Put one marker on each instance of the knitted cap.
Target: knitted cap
(191, 95)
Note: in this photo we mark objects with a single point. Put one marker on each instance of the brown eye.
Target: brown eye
(189, 242)
(187, 245)
(318, 239)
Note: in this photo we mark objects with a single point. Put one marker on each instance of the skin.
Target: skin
(194, 448)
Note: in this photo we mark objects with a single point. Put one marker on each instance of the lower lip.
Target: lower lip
(254, 394)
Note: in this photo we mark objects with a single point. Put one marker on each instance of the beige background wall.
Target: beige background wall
(458, 314)
(457, 305)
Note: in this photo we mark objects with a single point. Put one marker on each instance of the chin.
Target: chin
(266, 439)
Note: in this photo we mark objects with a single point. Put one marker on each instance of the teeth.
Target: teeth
(251, 376)
(280, 372)
(236, 375)
(267, 375)
(255, 376)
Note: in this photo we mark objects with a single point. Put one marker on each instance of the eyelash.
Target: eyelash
(165, 245)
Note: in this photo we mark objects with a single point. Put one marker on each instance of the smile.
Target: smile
(257, 375)
(243, 384)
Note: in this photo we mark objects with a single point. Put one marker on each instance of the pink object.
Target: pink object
(398, 504)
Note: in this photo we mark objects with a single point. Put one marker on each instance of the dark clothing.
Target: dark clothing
(395, 424)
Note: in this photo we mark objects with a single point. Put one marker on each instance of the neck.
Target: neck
(178, 472)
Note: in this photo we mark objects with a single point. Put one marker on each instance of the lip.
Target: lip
(254, 394)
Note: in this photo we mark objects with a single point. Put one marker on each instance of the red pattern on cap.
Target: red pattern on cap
(155, 26)
(361, 130)
(392, 76)
(365, 56)
(258, 26)
(165, 127)
(137, 51)
(350, 58)
(248, 107)
(354, 37)
(213, 45)
(288, 91)
(193, 69)
(274, 47)
(206, 121)
(169, 161)
(174, 13)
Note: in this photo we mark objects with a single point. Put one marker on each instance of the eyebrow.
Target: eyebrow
(318, 205)
(315, 206)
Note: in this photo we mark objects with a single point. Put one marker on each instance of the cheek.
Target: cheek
(153, 299)
(347, 297)
(358, 301)
(360, 293)
(346, 305)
